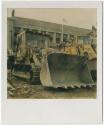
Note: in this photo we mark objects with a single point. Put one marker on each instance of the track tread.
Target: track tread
(35, 74)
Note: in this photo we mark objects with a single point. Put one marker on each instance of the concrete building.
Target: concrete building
(37, 31)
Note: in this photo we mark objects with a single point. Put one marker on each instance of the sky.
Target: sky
(79, 17)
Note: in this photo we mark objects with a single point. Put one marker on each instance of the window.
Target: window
(58, 37)
(84, 39)
(51, 35)
(17, 30)
(65, 37)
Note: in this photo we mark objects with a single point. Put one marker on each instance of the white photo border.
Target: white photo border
(57, 111)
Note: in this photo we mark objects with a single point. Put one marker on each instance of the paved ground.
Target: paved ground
(23, 89)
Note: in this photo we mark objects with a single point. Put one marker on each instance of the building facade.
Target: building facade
(37, 32)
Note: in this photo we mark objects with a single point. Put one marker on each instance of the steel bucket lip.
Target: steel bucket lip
(64, 53)
(72, 86)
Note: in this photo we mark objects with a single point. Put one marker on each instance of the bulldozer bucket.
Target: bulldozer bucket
(64, 70)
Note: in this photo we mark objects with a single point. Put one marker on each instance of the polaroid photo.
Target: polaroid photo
(52, 62)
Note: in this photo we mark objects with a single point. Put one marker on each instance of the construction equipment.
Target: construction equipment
(26, 60)
(53, 68)
(86, 50)
(82, 50)
(64, 70)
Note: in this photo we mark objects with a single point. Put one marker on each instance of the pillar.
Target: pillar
(76, 39)
(68, 37)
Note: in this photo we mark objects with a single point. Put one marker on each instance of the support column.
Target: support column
(76, 40)
(68, 37)
(12, 35)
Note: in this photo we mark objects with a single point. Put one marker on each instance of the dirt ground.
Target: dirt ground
(22, 89)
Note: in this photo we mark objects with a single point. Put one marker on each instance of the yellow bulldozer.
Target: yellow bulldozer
(70, 68)
(54, 68)
(82, 50)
